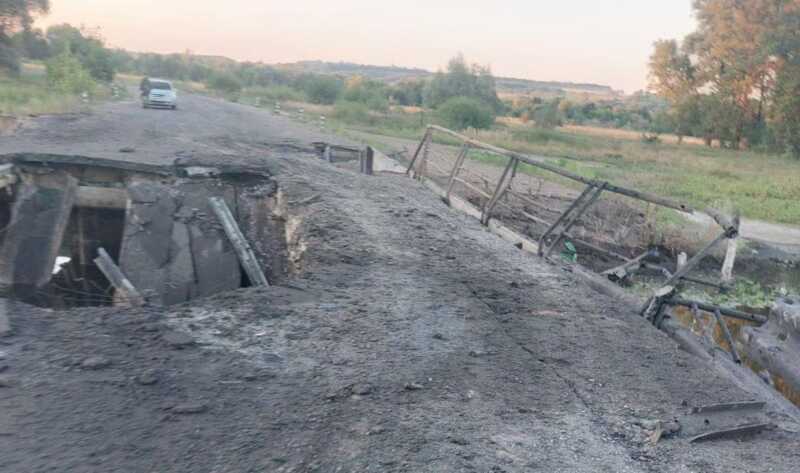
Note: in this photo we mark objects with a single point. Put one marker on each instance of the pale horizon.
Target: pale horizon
(582, 41)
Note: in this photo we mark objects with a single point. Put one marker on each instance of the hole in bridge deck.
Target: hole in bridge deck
(157, 227)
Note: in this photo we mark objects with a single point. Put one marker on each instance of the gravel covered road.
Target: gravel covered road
(411, 340)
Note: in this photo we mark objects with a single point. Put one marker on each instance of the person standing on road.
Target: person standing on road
(144, 86)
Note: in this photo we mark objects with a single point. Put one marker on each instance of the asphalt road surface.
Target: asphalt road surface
(411, 340)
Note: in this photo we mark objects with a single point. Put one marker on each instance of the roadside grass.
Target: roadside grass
(33, 97)
(30, 94)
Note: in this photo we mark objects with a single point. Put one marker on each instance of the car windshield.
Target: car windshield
(158, 85)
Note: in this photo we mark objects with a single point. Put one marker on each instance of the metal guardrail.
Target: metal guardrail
(453, 173)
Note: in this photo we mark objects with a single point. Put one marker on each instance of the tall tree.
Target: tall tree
(463, 80)
(730, 45)
(16, 15)
(674, 77)
(672, 74)
(733, 60)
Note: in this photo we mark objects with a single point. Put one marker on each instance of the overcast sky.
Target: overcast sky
(602, 41)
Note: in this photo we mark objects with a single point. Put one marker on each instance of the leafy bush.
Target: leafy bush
(369, 92)
(352, 112)
(322, 89)
(460, 113)
(548, 115)
(9, 60)
(66, 74)
(225, 83)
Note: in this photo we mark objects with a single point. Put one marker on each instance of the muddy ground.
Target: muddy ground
(409, 339)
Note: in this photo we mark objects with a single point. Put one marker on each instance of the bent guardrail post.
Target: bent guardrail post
(500, 190)
(726, 332)
(422, 144)
(462, 155)
(575, 217)
(562, 217)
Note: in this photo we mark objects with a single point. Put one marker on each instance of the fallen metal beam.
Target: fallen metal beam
(733, 313)
(624, 270)
(243, 250)
(117, 278)
(733, 432)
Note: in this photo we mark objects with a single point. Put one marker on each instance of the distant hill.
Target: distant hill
(505, 85)
(383, 73)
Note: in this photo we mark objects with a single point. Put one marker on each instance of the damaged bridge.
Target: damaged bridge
(155, 222)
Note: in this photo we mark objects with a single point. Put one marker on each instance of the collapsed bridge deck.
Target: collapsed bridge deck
(155, 222)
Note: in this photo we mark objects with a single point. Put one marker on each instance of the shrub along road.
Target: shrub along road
(410, 339)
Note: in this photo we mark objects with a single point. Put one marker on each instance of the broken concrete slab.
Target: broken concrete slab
(216, 267)
(180, 276)
(144, 256)
(39, 217)
(776, 345)
(173, 249)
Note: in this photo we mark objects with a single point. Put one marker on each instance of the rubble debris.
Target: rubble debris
(95, 363)
(178, 340)
(362, 389)
(190, 408)
(147, 378)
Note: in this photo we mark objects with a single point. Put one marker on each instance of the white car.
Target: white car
(159, 93)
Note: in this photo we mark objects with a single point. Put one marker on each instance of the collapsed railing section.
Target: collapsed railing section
(523, 193)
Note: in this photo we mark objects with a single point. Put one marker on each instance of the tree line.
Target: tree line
(736, 79)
